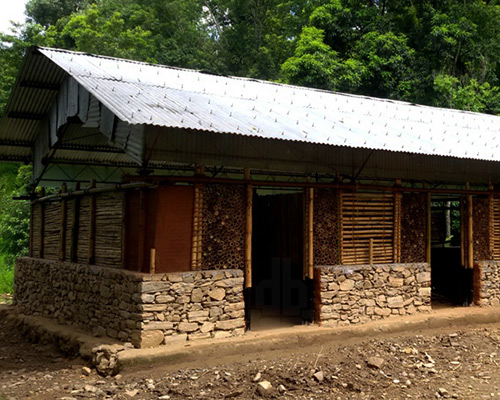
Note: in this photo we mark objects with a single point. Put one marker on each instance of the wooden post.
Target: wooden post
(74, 227)
(152, 261)
(141, 246)
(310, 226)
(248, 232)
(470, 233)
(429, 228)
(62, 229)
(42, 224)
(370, 251)
(92, 222)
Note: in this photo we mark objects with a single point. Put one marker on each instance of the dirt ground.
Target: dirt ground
(447, 363)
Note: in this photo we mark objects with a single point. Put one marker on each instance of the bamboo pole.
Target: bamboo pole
(92, 225)
(152, 261)
(310, 222)
(370, 252)
(62, 229)
(470, 233)
(248, 233)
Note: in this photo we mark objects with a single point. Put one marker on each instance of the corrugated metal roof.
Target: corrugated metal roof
(144, 94)
(140, 93)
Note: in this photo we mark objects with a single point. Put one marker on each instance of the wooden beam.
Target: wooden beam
(92, 224)
(62, 228)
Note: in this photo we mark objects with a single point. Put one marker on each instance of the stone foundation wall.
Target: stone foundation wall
(357, 294)
(487, 288)
(147, 310)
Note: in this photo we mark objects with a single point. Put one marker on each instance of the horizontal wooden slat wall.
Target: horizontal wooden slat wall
(495, 221)
(368, 218)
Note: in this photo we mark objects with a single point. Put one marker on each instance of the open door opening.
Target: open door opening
(280, 296)
(451, 279)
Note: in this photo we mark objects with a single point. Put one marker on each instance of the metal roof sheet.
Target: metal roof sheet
(140, 93)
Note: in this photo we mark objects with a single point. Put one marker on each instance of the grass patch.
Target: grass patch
(6, 276)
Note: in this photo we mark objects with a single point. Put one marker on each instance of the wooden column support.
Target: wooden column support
(248, 232)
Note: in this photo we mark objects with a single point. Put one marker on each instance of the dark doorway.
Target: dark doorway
(279, 295)
(452, 283)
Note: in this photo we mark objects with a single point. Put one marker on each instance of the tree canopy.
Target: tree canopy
(443, 53)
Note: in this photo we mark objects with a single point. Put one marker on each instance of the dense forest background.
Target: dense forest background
(442, 53)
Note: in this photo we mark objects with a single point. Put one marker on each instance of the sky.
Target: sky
(11, 10)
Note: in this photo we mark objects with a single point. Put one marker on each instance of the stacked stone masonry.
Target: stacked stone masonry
(489, 290)
(147, 310)
(362, 293)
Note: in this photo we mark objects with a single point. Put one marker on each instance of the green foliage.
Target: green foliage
(14, 220)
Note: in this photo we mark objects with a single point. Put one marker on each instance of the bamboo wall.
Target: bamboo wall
(85, 229)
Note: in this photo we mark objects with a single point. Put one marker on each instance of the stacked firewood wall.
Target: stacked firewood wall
(326, 232)
(495, 227)
(223, 226)
(80, 235)
(413, 227)
(481, 224)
